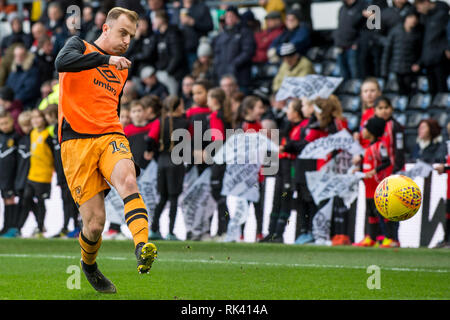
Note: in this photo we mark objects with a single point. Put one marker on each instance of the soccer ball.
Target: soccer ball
(397, 198)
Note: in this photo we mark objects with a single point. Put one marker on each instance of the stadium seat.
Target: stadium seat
(414, 117)
(441, 100)
(351, 86)
(315, 54)
(398, 102)
(422, 84)
(401, 118)
(439, 115)
(391, 85)
(332, 53)
(352, 119)
(350, 103)
(410, 139)
(420, 101)
(331, 69)
(318, 68)
(381, 82)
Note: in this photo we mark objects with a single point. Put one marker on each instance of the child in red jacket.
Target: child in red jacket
(375, 165)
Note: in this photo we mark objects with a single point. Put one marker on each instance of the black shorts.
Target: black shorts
(41, 190)
(170, 177)
(7, 193)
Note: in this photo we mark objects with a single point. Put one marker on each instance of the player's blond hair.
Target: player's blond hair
(116, 12)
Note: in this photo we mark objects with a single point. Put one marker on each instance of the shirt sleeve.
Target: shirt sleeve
(71, 58)
(385, 161)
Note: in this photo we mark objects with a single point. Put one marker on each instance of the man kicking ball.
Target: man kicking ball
(94, 149)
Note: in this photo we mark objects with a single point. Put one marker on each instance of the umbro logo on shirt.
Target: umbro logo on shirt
(105, 85)
(107, 73)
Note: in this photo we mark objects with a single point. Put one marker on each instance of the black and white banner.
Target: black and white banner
(326, 185)
(241, 180)
(322, 223)
(320, 148)
(115, 211)
(311, 87)
(245, 148)
(198, 205)
(238, 217)
(420, 169)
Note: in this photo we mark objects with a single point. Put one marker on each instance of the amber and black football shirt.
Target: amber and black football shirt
(89, 91)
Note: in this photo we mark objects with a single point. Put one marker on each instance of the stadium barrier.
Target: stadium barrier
(425, 229)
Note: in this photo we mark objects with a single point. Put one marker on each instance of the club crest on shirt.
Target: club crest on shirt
(107, 73)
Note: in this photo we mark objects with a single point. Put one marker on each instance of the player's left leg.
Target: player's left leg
(117, 166)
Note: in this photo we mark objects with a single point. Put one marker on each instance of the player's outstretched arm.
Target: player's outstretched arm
(72, 59)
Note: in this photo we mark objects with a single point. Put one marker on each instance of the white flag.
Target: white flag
(320, 148)
(238, 217)
(198, 204)
(311, 87)
(322, 223)
(420, 169)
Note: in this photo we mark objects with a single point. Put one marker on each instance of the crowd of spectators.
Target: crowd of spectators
(179, 43)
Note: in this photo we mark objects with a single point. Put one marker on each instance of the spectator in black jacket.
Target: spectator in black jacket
(156, 5)
(55, 18)
(346, 36)
(394, 15)
(87, 20)
(194, 20)
(167, 52)
(45, 59)
(24, 78)
(234, 48)
(429, 148)
(96, 29)
(370, 48)
(139, 50)
(435, 46)
(297, 32)
(17, 34)
(149, 84)
(401, 51)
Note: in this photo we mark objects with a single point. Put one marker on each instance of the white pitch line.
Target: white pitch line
(270, 264)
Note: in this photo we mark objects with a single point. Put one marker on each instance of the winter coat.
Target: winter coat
(22, 37)
(430, 151)
(203, 24)
(391, 16)
(435, 40)
(264, 40)
(139, 53)
(167, 52)
(233, 52)
(402, 50)
(302, 68)
(350, 23)
(25, 81)
(300, 37)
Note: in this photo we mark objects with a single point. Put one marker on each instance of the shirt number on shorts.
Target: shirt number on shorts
(121, 146)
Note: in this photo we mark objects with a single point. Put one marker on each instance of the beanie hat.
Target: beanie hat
(295, 12)
(234, 10)
(146, 72)
(204, 48)
(287, 49)
(376, 126)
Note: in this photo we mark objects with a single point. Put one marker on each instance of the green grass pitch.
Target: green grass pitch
(186, 270)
